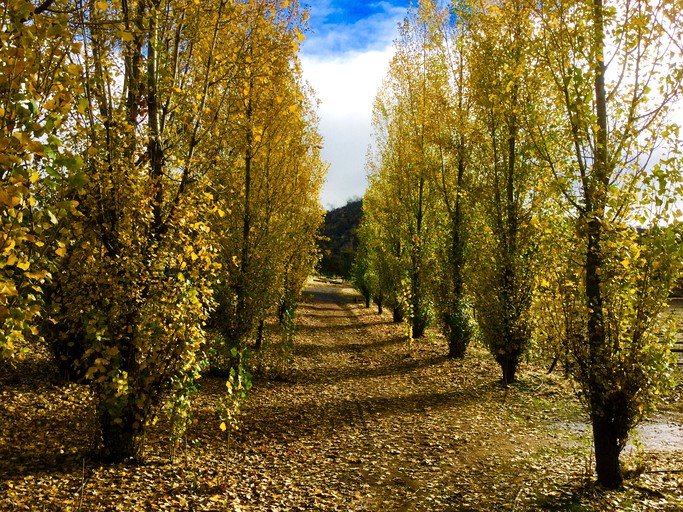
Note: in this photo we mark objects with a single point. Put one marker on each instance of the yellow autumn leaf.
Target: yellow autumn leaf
(36, 147)
(83, 105)
(36, 275)
(10, 201)
(61, 251)
(223, 426)
(50, 104)
(8, 288)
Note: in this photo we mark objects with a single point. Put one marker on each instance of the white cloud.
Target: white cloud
(347, 84)
(346, 154)
(333, 32)
(345, 64)
(346, 87)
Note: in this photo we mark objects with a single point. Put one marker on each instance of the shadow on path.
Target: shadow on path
(348, 369)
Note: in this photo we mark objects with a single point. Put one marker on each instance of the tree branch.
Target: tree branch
(43, 7)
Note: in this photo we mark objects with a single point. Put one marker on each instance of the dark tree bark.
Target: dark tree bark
(608, 425)
(398, 315)
(456, 323)
(508, 364)
(379, 300)
(122, 437)
(259, 334)
(420, 319)
(607, 450)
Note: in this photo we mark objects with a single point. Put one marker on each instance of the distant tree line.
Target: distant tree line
(339, 240)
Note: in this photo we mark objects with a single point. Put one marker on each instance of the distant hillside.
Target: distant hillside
(340, 227)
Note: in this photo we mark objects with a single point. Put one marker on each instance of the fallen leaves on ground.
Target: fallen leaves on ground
(363, 421)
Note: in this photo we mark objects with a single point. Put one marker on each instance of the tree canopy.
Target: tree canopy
(160, 170)
(161, 190)
(525, 163)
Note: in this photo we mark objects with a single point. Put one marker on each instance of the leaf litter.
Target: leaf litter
(362, 421)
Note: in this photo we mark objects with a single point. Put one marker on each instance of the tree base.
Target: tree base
(607, 452)
(508, 364)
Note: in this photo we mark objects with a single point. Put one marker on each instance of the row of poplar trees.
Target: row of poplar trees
(160, 172)
(520, 148)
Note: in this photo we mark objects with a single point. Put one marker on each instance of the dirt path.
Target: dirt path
(361, 422)
(355, 421)
(364, 424)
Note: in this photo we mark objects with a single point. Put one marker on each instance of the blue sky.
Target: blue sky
(342, 27)
(345, 57)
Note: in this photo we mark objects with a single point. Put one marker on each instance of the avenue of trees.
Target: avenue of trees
(523, 180)
(159, 197)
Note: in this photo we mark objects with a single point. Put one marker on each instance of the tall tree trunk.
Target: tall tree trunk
(605, 427)
(508, 364)
(154, 148)
(607, 450)
(122, 437)
(398, 315)
(458, 330)
(420, 318)
(242, 326)
(259, 334)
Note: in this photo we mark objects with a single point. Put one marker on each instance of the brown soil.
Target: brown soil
(362, 421)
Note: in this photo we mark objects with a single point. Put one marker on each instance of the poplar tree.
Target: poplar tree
(454, 140)
(269, 186)
(615, 72)
(405, 113)
(133, 289)
(38, 85)
(505, 94)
